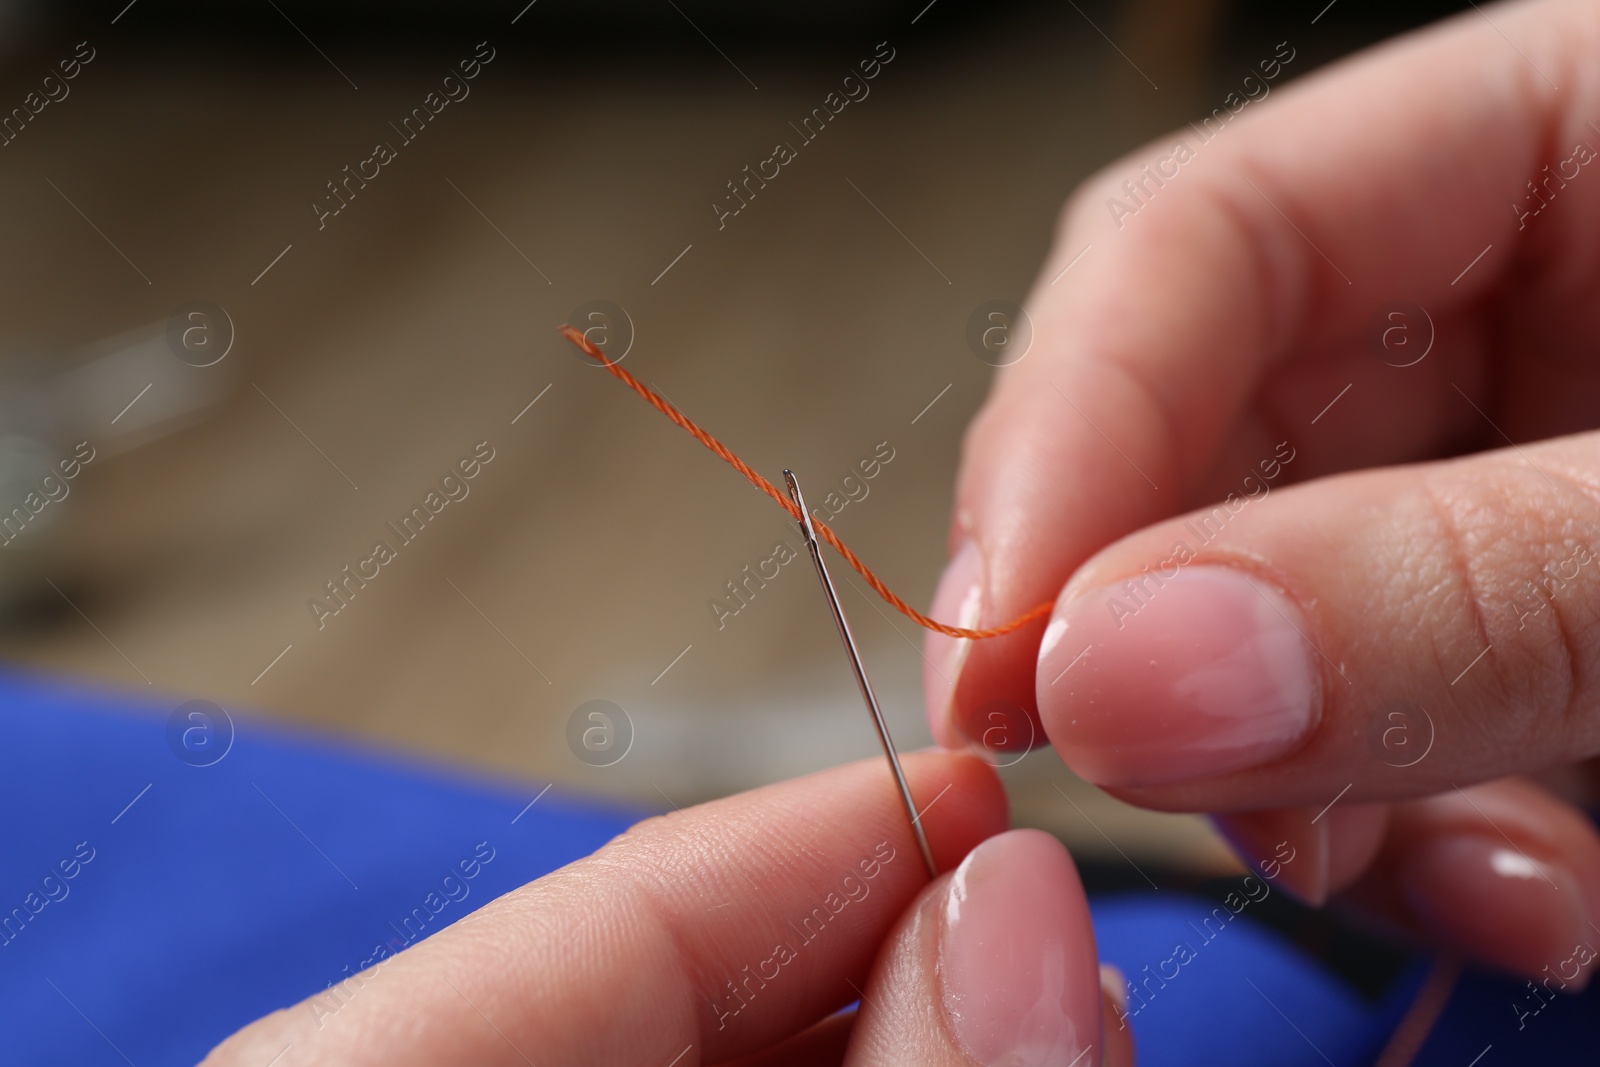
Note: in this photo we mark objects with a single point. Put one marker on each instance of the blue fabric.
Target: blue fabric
(154, 906)
(1234, 993)
(230, 890)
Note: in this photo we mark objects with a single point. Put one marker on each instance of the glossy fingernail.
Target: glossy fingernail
(1017, 955)
(1494, 901)
(1114, 984)
(1115, 1034)
(958, 602)
(1172, 678)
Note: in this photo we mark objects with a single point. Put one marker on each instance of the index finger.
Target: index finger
(703, 935)
(1273, 233)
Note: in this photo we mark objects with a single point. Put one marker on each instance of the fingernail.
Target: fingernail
(1114, 984)
(1288, 846)
(1017, 955)
(1115, 1035)
(1494, 901)
(958, 602)
(1167, 679)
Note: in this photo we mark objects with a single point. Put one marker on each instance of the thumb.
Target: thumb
(1160, 354)
(1262, 653)
(994, 964)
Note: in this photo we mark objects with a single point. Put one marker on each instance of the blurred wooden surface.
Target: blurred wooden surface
(416, 324)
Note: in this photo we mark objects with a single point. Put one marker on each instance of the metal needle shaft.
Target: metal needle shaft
(860, 670)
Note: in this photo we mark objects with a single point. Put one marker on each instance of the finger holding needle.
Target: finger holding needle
(849, 641)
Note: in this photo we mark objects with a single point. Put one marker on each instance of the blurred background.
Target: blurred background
(265, 382)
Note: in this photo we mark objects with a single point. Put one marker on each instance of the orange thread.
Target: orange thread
(660, 403)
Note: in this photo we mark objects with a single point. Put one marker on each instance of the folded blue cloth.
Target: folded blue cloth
(164, 880)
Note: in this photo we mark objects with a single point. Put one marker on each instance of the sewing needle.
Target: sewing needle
(810, 535)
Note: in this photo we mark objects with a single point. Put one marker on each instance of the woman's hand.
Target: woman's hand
(1358, 662)
(734, 932)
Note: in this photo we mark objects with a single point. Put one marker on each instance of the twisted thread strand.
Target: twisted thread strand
(661, 404)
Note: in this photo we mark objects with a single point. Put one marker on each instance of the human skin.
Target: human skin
(626, 956)
(1211, 326)
(1377, 592)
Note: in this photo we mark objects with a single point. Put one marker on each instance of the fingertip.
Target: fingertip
(1176, 677)
(994, 965)
(1017, 954)
(958, 601)
(961, 800)
(1355, 837)
(1287, 845)
(1503, 871)
(979, 692)
(1116, 1034)
(1518, 912)
(1310, 852)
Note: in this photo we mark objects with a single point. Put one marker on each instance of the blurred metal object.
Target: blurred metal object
(115, 395)
(132, 389)
(860, 670)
